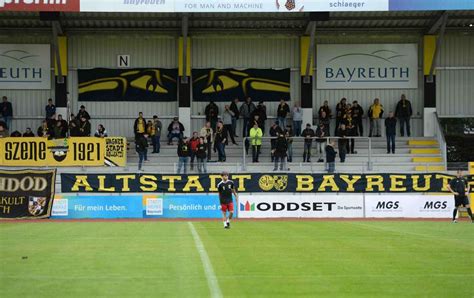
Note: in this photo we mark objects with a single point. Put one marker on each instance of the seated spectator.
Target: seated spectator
(100, 132)
(58, 131)
(64, 124)
(15, 134)
(3, 131)
(175, 130)
(43, 130)
(74, 126)
(50, 109)
(83, 113)
(28, 133)
(84, 127)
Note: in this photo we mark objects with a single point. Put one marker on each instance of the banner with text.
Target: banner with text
(26, 193)
(257, 182)
(135, 84)
(367, 66)
(41, 152)
(115, 152)
(25, 66)
(228, 84)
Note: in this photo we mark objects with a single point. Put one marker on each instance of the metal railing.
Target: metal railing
(441, 141)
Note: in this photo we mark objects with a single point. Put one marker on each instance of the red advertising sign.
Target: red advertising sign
(39, 5)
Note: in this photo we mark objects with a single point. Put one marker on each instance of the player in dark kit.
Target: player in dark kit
(226, 188)
(459, 188)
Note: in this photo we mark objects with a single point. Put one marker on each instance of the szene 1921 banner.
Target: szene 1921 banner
(257, 182)
(138, 84)
(227, 84)
(26, 193)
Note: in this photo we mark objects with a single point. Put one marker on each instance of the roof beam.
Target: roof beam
(443, 17)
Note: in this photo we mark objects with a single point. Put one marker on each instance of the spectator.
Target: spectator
(227, 120)
(83, 113)
(297, 119)
(390, 131)
(50, 109)
(64, 124)
(51, 123)
(280, 150)
(331, 156)
(220, 141)
(140, 125)
(404, 112)
(74, 126)
(325, 108)
(255, 119)
(100, 132)
(201, 156)
(175, 130)
(15, 134)
(207, 133)
(6, 110)
(28, 133)
(151, 132)
(193, 144)
(375, 114)
(43, 130)
(3, 132)
(212, 113)
(282, 113)
(289, 137)
(340, 112)
(183, 154)
(235, 110)
(325, 120)
(351, 132)
(141, 145)
(357, 112)
(59, 131)
(156, 139)
(256, 141)
(261, 112)
(307, 134)
(342, 142)
(84, 127)
(246, 111)
(275, 131)
(320, 141)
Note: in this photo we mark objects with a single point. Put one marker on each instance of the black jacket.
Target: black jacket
(201, 151)
(357, 113)
(283, 110)
(308, 132)
(135, 125)
(141, 143)
(390, 126)
(281, 147)
(342, 133)
(403, 109)
(235, 110)
(85, 129)
(330, 154)
(340, 110)
(183, 149)
(181, 126)
(221, 135)
(86, 115)
(211, 111)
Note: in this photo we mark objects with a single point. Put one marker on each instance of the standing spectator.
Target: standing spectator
(141, 145)
(151, 132)
(58, 131)
(183, 154)
(390, 131)
(331, 156)
(342, 142)
(227, 120)
(340, 112)
(74, 126)
(201, 156)
(64, 124)
(282, 113)
(212, 113)
(246, 111)
(28, 133)
(351, 132)
(320, 141)
(289, 136)
(404, 113)
(6, 110)
(207, 133)
(220, 141)
(84, 127)
(140, 125)
(325, 108)
(297, 119)
(43, 130)
(375, 114)
(256, 141)
(357, 112)
(193, 144)
(275, 131)
(261, 112)
(15, 134)
(83, 113)
(235, 110)
(4, 132)
(307, 134)
(100, 132)
(156, 140)
(280, 150)
(50, 109)
(326, 121)
(175, 130)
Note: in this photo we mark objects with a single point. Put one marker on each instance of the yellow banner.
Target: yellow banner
(115, 152)
(41, 152)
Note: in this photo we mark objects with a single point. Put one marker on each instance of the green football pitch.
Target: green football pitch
(254, 258)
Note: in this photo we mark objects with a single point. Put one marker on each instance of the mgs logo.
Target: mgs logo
(278, 182)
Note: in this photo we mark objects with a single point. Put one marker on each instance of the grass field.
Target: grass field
(254, 258)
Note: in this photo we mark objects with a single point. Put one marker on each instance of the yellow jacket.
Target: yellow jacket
(256, 135)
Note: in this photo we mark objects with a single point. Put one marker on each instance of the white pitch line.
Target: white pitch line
(206, 262)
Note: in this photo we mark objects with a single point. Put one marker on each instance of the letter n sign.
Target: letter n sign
(123, 61)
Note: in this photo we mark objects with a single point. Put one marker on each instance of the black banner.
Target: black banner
(258, 182)
(26, 193)
(135, 84)
(227, 84)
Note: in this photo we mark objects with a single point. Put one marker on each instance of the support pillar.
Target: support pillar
(184, 83)
(306, 67)
(429, 84)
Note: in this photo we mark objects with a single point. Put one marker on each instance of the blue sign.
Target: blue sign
(431, 5)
